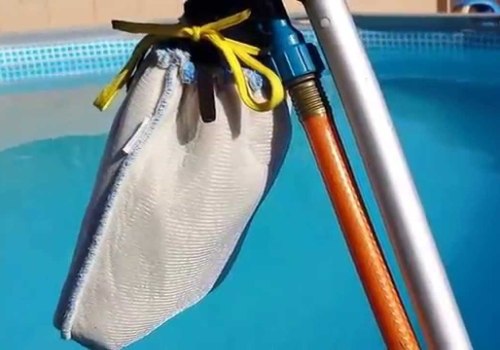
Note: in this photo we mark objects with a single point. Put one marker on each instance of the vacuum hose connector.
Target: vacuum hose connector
(308, 96)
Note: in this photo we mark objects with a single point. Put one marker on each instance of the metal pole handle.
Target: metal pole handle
(389, 174)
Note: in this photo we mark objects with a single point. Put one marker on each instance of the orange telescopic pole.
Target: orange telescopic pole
(340, 183)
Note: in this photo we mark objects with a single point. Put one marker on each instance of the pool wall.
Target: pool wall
(101, 52)
(37, 62)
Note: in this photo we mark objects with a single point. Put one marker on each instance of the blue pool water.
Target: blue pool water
(293, 285)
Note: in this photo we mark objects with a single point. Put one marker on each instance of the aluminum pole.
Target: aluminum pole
(389, 175)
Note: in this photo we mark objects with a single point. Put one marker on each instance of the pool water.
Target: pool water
(293, 285)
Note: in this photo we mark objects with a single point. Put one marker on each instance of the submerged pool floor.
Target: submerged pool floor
(293, 285)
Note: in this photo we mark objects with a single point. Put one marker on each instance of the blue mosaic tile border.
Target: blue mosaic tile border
(63, 59)
(107, 55)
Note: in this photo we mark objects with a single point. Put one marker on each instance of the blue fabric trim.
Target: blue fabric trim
(255, 80)
(188, 73)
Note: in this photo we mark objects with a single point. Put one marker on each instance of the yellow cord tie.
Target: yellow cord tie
(233, 51)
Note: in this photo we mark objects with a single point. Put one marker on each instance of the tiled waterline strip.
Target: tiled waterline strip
(106, 54)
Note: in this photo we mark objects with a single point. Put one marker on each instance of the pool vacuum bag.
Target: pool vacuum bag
(172, 198)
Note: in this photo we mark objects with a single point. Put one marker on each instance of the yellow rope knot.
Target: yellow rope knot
(195, 33)
(233, 51)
